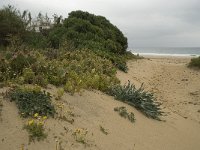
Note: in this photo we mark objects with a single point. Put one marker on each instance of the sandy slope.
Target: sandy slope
(176, 86)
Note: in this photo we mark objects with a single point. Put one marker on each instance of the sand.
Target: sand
(175, 86)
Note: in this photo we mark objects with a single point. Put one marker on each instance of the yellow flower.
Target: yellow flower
(30, 122)
(41, 123)
(36, 115)
(44, 117)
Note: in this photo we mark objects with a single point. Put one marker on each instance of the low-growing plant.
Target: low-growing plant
(195, 62)
(32, 100)
(60, 93)
(117, 60)
(73, 70)
(19, 62)
(28, 75)
(1, 105)
(131, 117)
(40, 80)
(103, 130)
(138, 98)
(35, 128)
(80, 135)
(123, 113)
(64, 113)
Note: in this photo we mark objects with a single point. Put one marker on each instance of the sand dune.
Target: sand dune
(175, 86)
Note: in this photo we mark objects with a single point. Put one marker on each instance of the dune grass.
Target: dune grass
(195, 62)
(138, 98)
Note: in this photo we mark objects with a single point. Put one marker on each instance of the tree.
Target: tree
(89, 31)
(11, 24)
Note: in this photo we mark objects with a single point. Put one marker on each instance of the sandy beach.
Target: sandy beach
(175, 85)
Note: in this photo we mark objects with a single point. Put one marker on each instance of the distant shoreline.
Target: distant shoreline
(167, 51)
(166, 55)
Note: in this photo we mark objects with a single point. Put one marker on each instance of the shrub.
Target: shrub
(11, 24)
(40, 80)
(117, 60)
(32, 100)
(98, 28)
(60, 93)
(86, 70)
(138, 98)
(35, 40)
(74, 70)
(195, 62)
(123, 113)
(19, 62)
(103, 130)
(80, 135)
(35, 129)
(4, 68)
(83, 30)
(1, 105)
(28, 75)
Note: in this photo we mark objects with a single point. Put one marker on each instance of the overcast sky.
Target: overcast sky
(146, 23)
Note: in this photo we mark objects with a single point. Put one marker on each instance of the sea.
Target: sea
(166, 51)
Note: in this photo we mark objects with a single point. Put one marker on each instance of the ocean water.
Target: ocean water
(166, 51)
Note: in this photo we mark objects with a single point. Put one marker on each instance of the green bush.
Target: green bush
(20, 61)
(117, 60)
(83, 30)
(3, 69)
(11, 24)
(195, 62)
(32, 100)
(28, 75)
(99, 29)
(138, 98)
(36, 40)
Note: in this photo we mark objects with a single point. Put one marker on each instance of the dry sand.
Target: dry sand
(175, 86)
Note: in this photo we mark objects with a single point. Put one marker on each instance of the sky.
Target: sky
(146, 23)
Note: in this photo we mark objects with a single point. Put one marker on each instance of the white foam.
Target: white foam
(173, 55)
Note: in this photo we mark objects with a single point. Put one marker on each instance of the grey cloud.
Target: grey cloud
(144, 22)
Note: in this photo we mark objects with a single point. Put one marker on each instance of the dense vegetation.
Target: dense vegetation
(89, 31)
(62, 55)
(79, 31)
(32, 101)
(82, 51)
(11, 24)
(80, 69)
(85, 30)
(195, 62)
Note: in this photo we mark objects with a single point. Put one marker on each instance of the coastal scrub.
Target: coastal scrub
(195, 62)
(138, 98)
